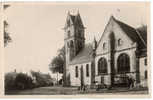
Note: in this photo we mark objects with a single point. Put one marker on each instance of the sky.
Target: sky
(37, 34)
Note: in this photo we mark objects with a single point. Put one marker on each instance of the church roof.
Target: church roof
(143, 32)
(134, 34)
(74, 20)
(83, 56)
(140, 37)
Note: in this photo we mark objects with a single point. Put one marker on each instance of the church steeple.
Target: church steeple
(74, 33)
(74, 39)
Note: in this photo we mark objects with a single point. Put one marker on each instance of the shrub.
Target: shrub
(10, 80)
(18, 81)
(23, 81)
(42, 79)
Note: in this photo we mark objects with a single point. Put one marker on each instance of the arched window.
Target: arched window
(71, 43)
(102, 66)
(76, 71)
(79, 33)
(145, 74)
(69, 34)
(68, 44)
(145, 61)
(80, 45)
(87, 70)
(120, 42)
(123, 63)
(104, 45)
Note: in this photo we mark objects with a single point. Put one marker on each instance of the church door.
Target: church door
(102, 80)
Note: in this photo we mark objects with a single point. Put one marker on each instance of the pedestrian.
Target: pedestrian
(129, 82)
(132, 82)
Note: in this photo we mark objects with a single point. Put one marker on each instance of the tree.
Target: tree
(10, 80)
(143, 32)
(58, 62)
(57, 65)
(42, 79)
(62, 53)
(14, 80)
(6, 6)
(23, 81)
(7, 37)
(142, 29)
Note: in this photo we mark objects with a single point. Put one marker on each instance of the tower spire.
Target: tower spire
(94, 43)
(74, 41)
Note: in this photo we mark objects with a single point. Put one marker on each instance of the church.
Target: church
(121, 52)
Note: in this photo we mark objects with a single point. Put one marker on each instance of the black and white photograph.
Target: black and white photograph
(74, 48)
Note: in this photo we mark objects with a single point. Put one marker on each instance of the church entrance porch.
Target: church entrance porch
(124, 80)
(119, 73)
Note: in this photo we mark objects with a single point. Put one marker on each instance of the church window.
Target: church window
(87, 70)
(102, 80)
(80, 45)
(146, 75)
(68, 45)
(123, 63)
(68, 23)
(120, 42)
(102, 66)
(69, 34)
(104, 45)
(145, 61)
(71, 43)
(76, 71)
(79, 33)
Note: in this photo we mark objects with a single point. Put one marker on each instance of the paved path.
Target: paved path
(56, 90)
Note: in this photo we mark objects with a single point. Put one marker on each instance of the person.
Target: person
(131, 82)
(84, 88)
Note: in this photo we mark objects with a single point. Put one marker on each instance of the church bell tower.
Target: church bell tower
(74, 41)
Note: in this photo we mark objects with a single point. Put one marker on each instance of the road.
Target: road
(57, 90)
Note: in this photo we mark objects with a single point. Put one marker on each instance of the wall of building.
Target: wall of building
(143, 68)
(129, 52)
(127, 46)
(76, 81)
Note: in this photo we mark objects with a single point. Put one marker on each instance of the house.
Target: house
(120, 53)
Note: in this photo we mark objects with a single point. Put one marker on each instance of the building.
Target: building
(120, 53)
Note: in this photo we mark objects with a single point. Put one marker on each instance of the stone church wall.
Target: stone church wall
(76, 81)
